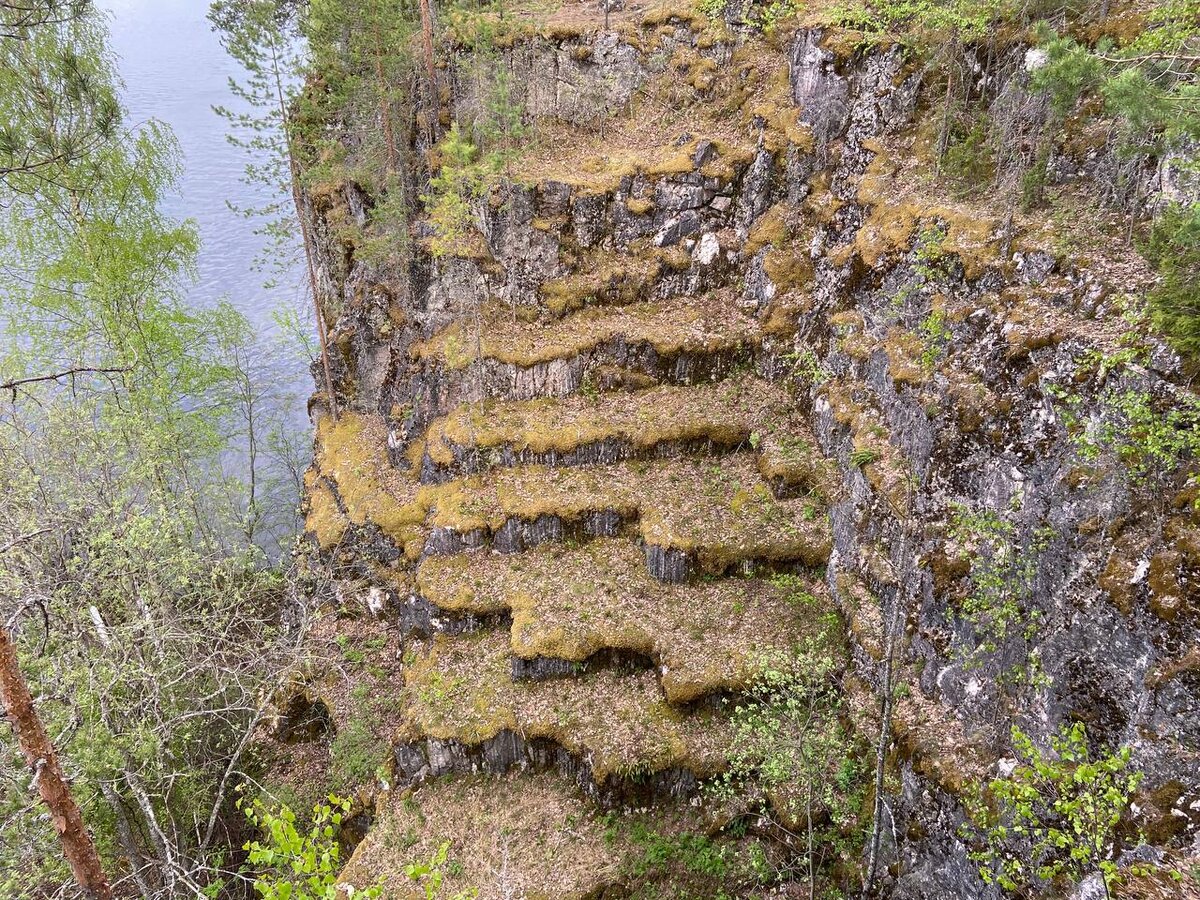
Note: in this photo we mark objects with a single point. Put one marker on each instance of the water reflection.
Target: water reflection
(175, 70)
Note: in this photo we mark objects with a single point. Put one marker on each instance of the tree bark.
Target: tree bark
(305, 236)
(52, 786)
(385, 112)
(427, 40)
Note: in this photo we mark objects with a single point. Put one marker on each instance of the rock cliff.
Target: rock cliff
(723, 366)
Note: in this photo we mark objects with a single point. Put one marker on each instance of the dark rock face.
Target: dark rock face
(545, 668)
(821, 93)
(508, 750)
(304, 719)
(421, 619)
(597, 453)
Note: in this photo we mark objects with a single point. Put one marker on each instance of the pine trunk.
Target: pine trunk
(427, 38)
(52, 786)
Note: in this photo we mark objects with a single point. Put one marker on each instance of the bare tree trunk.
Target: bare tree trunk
(894, 622)
(427, 40)
(129, 846)
(385, 111)
(943, 143)
(52, 786)
(305, 236)
(812, 863)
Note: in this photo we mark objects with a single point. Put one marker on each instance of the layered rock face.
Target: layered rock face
(724, 364)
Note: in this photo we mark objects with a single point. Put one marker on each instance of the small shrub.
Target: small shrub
(291, 864)
(790, 744)
(998, 608)
(1054, 816)
(936, 334)
(970, 161)
(1173, 247)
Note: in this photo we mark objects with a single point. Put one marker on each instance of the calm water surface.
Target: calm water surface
(175, 70)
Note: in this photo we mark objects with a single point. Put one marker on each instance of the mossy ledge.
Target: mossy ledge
(569, 604)
(656, 422)
(718, 513)
(508, 750)
(461, 690)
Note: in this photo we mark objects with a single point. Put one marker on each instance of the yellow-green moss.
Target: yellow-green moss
(352, 452)
(725, 412)
(770, 229)
(322, 517)
(639, 206)
(602, 278)
(721, 509)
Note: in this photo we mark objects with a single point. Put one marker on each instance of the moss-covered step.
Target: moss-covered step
(584, 430)
(570, 604)
(352, 483)
(534, 836)
(694, 515)
(679, 341)
(616, 734)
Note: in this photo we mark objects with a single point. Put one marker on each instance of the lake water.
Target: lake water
(175, 70)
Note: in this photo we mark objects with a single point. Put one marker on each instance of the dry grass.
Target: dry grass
(657, 138)
(518, 836)
(462, 689)
(570, 603)
(671, 327)
(533, 837)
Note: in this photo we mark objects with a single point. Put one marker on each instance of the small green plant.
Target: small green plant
(789, 744)
(936, 334)
(713, 9)
(899, 300)
(970, 158)
(806, 366)
(770, 15)
(998, 608)
(1054, 816)
(355, 754)
(452, 191)
(588, 388)
(863, 456)
(430, 877)
(695, 852)
(1147, 439)
(930, 252)
(290, 864)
